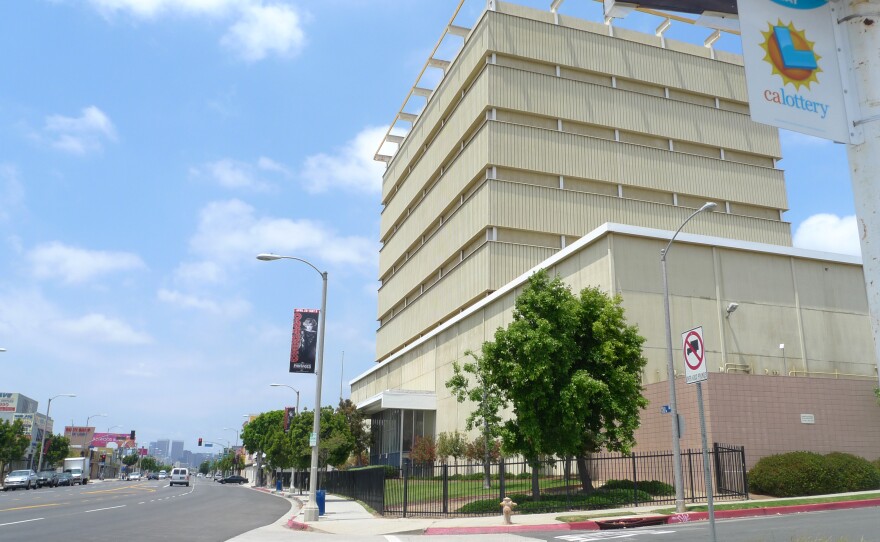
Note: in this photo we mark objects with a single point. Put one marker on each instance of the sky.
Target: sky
(150, 149)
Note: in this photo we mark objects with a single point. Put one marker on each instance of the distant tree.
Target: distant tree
(424, 451)
(336, 443)
(130, 459)
(205, 467)
(57, 448)
(149, 464)
(452, 445)
(13, 442)
(569, 368)
(359, 432)
(262, 430)
(476, 450)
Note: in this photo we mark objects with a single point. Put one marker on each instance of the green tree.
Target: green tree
(336, 442)
(359, 432)
(13, 442)
(452, 445)
(205, 467)
(150, 464)
(130, 459)
(570, 360)
(57, 448)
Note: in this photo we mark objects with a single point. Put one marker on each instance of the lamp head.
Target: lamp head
(275, 385)
(266, 257)
(708, 206)
(732, 307)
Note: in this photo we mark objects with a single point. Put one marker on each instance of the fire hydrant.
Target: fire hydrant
(507, 508)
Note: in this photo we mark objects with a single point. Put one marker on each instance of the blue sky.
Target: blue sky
(149, 149)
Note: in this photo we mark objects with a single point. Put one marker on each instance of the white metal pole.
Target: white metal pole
(43, 439)
(707, 472)
(310, 512)
(860, 23)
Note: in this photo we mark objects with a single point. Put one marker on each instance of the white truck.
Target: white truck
(78, 467)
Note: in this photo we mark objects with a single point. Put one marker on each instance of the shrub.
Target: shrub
(391, 472)
(852, 473)
(654, 487)
(792, 474)
(423, 451)
(798, 474)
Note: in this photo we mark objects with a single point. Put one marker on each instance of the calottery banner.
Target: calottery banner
(304, 342)
(792, 70)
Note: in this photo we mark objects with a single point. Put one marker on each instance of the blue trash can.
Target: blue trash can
(320, 497)
(278, 484)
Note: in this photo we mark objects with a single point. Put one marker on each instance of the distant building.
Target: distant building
(176, 450)
(162, 447)
(15, 406)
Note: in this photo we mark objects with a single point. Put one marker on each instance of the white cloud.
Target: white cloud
(153, 8)
(268, 164)
(80, 135)
(230, 231)
(11, 192)
(234, 174)
(76, 265)
(100, 328)
(265, 29)
(199, 273)
(351, 168)
(233, 308)
(829, 233)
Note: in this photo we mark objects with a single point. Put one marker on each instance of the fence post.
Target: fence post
(742, 452)
(716, 449)
(445, 488)
(635, 481)
(501, 479)
(405, 485)
(691, 476)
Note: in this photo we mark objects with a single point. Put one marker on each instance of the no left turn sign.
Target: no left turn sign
(695, 369)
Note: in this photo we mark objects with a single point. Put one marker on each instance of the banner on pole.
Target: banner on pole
(305, 340)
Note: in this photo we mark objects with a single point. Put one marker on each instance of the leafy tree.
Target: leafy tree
(57, 448)
(359, 432)
(476, 450)
(336, 443)
(423, 451)
(452, 445)
(569, 359)
(130, 459)
(13, 442)
(205, 467)
(150, 464)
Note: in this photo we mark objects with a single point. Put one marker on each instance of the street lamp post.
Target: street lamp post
(670, 369)
(291, 387)
(310, 512)
(93, 416)
(43, 439)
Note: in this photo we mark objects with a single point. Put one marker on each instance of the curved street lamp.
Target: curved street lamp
(670, 368)
(291, 387)
(93, 416)
(310, 512)
(43, 439)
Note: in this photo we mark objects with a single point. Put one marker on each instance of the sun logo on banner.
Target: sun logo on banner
(790, 54)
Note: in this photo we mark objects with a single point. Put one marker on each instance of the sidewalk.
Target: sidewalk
(346, 517)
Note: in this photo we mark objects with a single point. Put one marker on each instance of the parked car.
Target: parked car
(47, 478)
(152, 476)
(20, 478)
(234, 479)
(65, 479)
(163, 474)
(134, 477)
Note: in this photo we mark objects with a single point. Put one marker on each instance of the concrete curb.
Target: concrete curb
(686, 517)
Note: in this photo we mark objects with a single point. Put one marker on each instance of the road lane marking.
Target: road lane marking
(17, 522)
(31, 506)
(108, 508)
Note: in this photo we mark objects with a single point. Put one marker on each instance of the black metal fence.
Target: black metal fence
(614, 480)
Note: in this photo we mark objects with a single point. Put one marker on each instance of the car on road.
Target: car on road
(20, 478)
(152, 476)
(65, 479)
(218, 477)
(134, 477)
(47, 478)
(163, 474)
(234, 479)
(179, 476)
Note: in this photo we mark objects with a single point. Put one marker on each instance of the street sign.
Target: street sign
(665, 409)
(313, 439)
(695, 369)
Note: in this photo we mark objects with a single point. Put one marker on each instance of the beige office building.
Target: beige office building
(558, 143)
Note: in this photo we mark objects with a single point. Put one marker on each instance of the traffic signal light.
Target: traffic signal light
(103, 457)
(132, 434)
(200, 441)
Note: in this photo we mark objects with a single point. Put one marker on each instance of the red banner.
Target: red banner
(305, 340)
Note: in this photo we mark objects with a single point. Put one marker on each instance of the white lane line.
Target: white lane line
(392, 538)
(142, 502)
(108, 508)
(17, 522)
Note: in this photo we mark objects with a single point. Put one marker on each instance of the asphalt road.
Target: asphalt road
(114, 511)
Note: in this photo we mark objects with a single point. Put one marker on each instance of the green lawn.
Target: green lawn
(421, 491)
